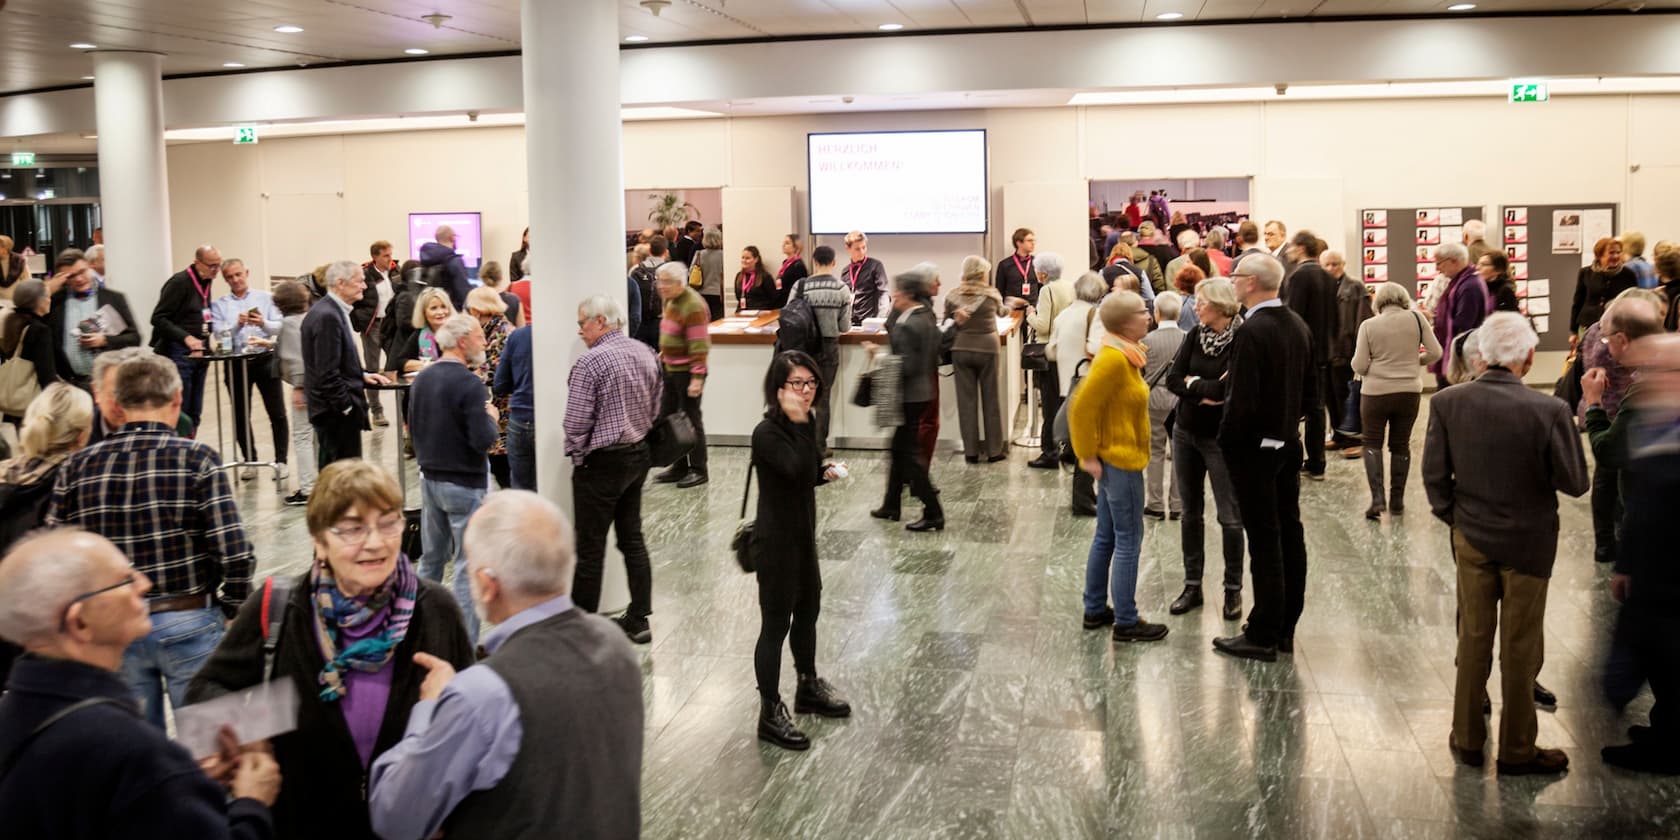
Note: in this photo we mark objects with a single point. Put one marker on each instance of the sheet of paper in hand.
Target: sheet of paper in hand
(263, 711)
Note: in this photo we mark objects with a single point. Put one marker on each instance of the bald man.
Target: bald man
(180, 323)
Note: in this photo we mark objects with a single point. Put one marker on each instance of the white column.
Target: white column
(133, 176)
(575, 173)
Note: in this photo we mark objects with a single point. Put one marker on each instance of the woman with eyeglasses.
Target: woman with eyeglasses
(351, 629)
(787, 461)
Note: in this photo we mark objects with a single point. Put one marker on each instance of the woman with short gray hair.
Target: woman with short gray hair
(974, 358)
(1197, 378)
(709, 262)
(914, 339)
(27, 337)
(1387, 358)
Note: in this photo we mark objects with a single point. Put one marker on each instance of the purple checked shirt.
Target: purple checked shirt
(612, 395)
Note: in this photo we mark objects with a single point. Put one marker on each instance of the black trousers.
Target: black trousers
(1049, 402)
(337, 439)
(675, 398)
(260, 374)
(777, 623)
(906, 468)
(1268, 485)
(1315, 421)
(1606, 510)
(1341, 381)
(828, 367)
(714, 303)
(607, 493)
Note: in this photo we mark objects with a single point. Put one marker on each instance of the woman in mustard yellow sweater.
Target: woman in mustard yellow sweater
(1109, 424)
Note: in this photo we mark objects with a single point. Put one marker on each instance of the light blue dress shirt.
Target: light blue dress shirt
(225, 312)
(466, 740)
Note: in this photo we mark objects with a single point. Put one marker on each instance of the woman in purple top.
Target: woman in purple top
(349, 629)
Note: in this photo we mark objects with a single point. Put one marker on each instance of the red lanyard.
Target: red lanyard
(747, 284)
(786, 264)
(1026, 281)
(852, 272)
(203, 288)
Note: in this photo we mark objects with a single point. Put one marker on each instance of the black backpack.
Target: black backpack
(436, 276)
(796, 327)
(653, 308)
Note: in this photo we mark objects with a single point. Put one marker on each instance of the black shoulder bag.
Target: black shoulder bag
(742, 543)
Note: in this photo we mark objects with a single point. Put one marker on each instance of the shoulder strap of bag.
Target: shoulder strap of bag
(275, 591)
(52, 719)
(747, 490)
(1420, 327)
(1154, 380)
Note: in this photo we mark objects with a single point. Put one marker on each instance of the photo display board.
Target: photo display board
(1548, 245)
(1398, 244)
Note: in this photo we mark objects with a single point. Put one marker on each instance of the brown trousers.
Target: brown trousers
(1497, 601)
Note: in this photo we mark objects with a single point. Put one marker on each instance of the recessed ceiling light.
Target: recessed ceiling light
(890, 27)
(1461, 7)
(83, 45)
(1169, 16)
(232, 65)
(288, 28)
(635, 39)
(415, 51)
(87, 78)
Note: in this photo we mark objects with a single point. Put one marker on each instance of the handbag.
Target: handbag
(671, 437)
(864, 391)
(18, 383)
(742, 543)
(1350, 423)
(695, 276)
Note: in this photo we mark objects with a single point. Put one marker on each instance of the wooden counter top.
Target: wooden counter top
(760, 328)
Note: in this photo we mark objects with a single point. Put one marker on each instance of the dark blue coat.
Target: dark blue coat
(455, 271)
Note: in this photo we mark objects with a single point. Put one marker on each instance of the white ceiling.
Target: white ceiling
(199, 36)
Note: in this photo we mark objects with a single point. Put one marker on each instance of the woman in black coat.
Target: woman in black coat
(915, 339)
(1597, 285)
(792, 271)
(360, 597)
(1495, 268)
(787, 459)
(27, 335)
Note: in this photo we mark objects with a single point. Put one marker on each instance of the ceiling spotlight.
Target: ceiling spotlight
(87, 78)
(288, 28)
(890, 27)
(436, 19)
(83, 45)
(635, 39)
(655, 6)
(232, 65)
(1461, 7)
(415, 51)
(1169, 16)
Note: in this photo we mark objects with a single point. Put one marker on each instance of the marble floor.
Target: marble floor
(983, 710)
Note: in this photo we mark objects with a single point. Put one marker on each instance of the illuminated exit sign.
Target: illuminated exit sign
(1529, 92)
(23, 158)
(244, 135)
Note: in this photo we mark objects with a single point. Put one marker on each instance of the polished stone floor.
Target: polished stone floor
(983, 710)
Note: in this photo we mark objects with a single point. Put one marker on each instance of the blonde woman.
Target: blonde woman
(490, 274)
(488, 307)
(431, 309)
(975, 304)
(13, 268)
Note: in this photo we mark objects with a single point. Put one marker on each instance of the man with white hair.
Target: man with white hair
(544, 737)
(333, 380)
(1495, 456)
(96, 261)
(1475, 240)
(1049, 270)
(1462, 305)
(1187, 239)
(1271, 387)
(442, 267)
(612, 398)
(78, 762)
(181, 323)
(453, 424)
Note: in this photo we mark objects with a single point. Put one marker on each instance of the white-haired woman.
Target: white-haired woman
(1069, 348)
(1389, 353)
(976, 304)
(1162, 345)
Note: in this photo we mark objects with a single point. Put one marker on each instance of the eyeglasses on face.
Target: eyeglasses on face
(64, 616)
(802, 384)
(356, 533)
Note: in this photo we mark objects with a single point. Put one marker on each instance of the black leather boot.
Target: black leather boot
(1188, 600)
(1233, 605)
(1374, 477)
(933, 516)
(816, 697)
(1399, 464)
(776, 726)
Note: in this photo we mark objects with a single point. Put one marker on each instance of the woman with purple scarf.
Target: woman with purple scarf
(350, 628)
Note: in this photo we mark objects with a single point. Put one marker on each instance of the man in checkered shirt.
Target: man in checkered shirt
(165, 502)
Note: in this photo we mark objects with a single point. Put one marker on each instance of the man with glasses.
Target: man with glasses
(165, 502)
(453, 423)
(1631, 316)
(1464, 304)
(75, 760)
(181, 323)
(612, 398)
(80, 331)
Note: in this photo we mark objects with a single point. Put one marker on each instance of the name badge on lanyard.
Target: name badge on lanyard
(1026, 277)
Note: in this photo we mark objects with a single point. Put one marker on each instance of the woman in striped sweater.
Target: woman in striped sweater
(684, 340)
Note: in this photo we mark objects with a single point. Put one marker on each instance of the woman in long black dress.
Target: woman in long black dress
(788, 459)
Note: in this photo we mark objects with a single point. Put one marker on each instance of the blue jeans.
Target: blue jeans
(168, 657)
(1113, 562)
(522, 454)
(192, 373)
(444, 511)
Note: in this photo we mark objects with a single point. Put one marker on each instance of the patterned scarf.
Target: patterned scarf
(1215, 343)
(428, 345)
(392, 605)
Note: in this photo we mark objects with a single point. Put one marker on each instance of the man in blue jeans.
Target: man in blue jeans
(453, 424)
(513, 380)
(165, 502)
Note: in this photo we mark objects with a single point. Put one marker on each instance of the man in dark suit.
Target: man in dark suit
(1270, 387)
(1494, 459)
(79, 299)
(687, 245)
(332, 368)
(1311, 292)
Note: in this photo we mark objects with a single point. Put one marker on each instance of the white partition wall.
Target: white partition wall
(1313, 204)
(755, 216)
(1055, 211)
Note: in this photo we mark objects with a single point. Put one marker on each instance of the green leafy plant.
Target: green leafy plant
(670, 210)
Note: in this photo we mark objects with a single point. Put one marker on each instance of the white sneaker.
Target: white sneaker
(247, 473)
(280, 471)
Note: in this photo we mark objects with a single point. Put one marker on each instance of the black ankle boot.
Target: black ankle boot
(776, 726)
(1188, 600)
(933, 517)
(816, 697)
(1233, 604)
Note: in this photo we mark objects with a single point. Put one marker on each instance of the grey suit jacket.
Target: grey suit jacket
(1494, 459)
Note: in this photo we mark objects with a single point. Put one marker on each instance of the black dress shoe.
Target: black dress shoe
(1142, 631)
(885, 513)
(1154, 514)
(1286, 645)
(776, 726)
(672, 475)
(927, 523)
(1174, 516)
(1044, 462)
(972, 459)
(636, 629)
(996, 458)
(695, 478)
(1084, 511)
(1105, 618)
(816, 697)
(1233, 605)
(1642, 757)
(1187, 600)
(1240, 646)
(1543, 696)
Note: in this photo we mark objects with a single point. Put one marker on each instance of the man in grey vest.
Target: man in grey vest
(544, 738)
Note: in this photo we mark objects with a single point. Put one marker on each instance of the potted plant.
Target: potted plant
(671, 210)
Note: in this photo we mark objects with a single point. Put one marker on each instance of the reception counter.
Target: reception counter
(741, 349)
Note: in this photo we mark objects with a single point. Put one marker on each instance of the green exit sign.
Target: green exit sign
(245, 134)
(23, 158)
(1529, 92)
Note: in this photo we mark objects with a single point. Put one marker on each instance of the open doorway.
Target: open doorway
(1173, 204)
(662, 207)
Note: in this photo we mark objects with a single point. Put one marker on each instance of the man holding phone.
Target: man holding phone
(250, 320)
